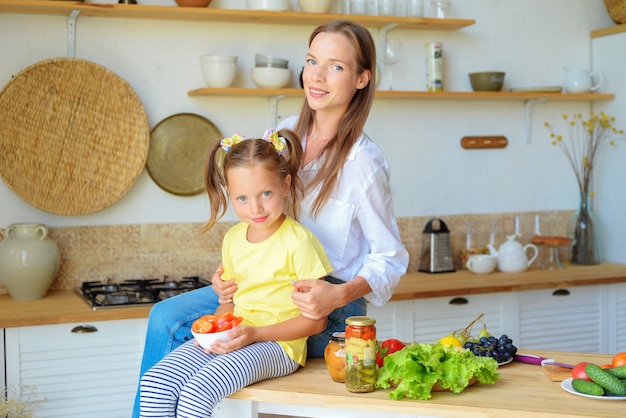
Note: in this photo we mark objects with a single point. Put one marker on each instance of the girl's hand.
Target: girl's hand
(241, 337)
(316, 299)
(225, 289)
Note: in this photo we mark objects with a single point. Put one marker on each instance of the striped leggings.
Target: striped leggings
(190, 383)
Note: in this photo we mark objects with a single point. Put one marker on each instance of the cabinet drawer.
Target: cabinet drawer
(565, 319)
(434, 318)
(81, 374)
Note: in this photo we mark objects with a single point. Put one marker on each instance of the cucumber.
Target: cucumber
(587, 387)
(605, 379)
(618, 371)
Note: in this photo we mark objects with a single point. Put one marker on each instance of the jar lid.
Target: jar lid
(338, 336)
(360, 320)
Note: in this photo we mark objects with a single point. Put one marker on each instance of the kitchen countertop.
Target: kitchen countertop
(522, 390)
(68, 307)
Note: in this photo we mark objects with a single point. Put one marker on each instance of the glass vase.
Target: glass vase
(584, 229)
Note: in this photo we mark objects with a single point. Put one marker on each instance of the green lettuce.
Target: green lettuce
(415, 369)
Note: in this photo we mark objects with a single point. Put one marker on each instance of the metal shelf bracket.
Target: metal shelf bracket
(382, 45)
(528, 117)
(71, 33)
(273, 105)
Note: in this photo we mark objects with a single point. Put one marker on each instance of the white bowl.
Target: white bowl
(270, 77)
(206, 339)
(481, 263)
(219, 71)
(269, 59)
(314, 6)
(277, 5)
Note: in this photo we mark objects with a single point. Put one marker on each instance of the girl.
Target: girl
(266, 252)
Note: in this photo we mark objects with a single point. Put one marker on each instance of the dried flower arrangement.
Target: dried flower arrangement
(21, 403)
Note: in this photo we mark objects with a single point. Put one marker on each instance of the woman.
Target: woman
(347, 202)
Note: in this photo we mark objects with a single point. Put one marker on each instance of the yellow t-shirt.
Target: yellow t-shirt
(264, 271)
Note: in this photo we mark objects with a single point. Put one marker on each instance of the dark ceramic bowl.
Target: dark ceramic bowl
(487, 81)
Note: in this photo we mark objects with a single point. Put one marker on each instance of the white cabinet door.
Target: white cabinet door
(2, 367)
(434, 318)
(566, 319)
(427, 320)
(81, 374)
(616, 318)
(393, 320)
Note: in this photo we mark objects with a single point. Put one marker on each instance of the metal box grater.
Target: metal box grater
(436, 248)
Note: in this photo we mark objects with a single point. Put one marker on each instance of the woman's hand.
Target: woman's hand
(225, 289)
(316, 299)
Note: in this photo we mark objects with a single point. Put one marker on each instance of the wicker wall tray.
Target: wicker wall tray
(74, 137)
(178, 151)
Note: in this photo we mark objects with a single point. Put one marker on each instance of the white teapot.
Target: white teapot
(512, 256)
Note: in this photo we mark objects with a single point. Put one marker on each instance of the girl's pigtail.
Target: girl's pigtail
(294, 161)
(215, 184)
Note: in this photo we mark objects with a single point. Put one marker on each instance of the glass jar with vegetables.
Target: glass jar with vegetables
(360, 354)
(335, 356)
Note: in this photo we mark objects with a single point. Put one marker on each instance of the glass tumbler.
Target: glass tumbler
(414, 8)
(387, 7)
(357, 7)
(440, 9)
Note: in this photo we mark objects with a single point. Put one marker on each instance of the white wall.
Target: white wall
(431, 174)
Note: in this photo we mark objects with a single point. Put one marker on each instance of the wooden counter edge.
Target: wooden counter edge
(420, 285)
(67, 307)
(311, 386)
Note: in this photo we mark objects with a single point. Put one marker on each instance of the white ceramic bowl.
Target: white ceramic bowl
(276, 5)
(270, 77)
(314, 6)
(263, 60)
(205, 340)
(219, 71)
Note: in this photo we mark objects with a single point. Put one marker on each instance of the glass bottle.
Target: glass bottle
(335, 356)
(360, 354)
(584, 229)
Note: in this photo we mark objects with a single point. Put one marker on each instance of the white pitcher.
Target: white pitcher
(581, 81)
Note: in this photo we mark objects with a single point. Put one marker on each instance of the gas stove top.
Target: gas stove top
(135, 292)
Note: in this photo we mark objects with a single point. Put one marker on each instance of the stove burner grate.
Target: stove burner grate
(135, 292)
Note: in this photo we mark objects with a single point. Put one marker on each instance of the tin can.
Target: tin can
(335, 356)
(360, 354)
(434, 66)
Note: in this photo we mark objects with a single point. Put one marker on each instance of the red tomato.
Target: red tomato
(619, 359)
(578, 372)
(387, 347)
(212, 323)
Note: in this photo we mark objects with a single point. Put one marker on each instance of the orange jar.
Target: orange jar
(360, 354)
(335, 357)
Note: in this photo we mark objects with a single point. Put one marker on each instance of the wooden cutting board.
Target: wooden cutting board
(556, 373)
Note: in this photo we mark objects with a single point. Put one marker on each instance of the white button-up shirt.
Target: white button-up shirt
(357, 226)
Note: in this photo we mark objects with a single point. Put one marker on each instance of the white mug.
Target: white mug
(481, 263)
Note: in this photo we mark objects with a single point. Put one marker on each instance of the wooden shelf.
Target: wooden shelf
(611, 30)
(393, 94)
(47, 7)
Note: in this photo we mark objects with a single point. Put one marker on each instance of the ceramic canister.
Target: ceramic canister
(29, 261)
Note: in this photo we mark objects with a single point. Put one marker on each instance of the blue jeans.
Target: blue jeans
(169, 325)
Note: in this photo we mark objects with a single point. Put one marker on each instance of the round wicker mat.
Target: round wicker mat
(178, 152)
(74, 137)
